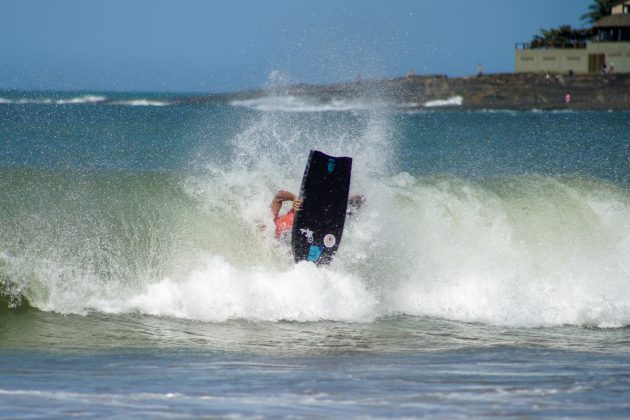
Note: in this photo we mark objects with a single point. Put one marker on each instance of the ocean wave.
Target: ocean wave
(519, 251)
(290, 103)
(83, 100)
(510, 112)
(26, 101)
(77, 100)
(452, 101)
(525, 251)
(140, 102)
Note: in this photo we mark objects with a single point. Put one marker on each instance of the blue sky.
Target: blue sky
(218, 46)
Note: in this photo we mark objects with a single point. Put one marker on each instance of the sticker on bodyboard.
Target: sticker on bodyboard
(331, 165)
(314, 253)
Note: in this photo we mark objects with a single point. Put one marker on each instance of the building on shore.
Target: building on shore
(608, 51)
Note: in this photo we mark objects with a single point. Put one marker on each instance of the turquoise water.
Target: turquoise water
(487, 274)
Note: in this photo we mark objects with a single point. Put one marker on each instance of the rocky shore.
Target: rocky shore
(519, 91)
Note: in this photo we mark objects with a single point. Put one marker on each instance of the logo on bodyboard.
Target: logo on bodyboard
(308, 234)
(330, 240)
(314, 253)
(331, 165)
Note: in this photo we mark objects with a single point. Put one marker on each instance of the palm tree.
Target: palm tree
(597, 10)
(562, 37)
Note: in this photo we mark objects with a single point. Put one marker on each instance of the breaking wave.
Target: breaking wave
(510, 250)
(83, 100)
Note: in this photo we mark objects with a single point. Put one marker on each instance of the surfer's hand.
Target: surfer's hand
(297, 204)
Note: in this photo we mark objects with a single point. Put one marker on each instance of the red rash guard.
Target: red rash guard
(284, 223)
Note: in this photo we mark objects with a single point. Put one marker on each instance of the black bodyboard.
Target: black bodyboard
(318, 226)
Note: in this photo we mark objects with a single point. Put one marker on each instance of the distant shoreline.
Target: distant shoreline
(503, 91)
(517, 91)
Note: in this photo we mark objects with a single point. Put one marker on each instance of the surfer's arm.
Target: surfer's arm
(282, 196)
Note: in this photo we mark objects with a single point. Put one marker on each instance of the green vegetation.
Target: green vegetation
(567, 37)
(562, 37)
(597, 10)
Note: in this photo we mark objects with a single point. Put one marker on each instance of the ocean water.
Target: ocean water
(487, 274)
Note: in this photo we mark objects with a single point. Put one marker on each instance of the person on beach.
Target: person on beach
(284, 223)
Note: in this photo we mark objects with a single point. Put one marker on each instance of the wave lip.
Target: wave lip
(26, 101)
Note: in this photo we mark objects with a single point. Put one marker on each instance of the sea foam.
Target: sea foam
(219, 292)
(291, 103)
(452, 101)
(140, 102)
(84, 100)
